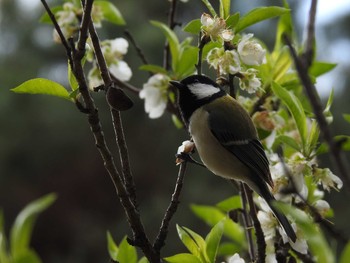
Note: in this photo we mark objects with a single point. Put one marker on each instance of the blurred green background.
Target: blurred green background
(46, 145)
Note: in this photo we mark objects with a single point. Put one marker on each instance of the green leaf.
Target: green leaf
(213, 240)
(177, 122)
(29, 256)
(232, 20)
(225, 8)
(212, 215)
(209, 47)
(319, 68)
(4, 257)
(315, 239)
(259, 14)
(143, 260)
(231, 203)
(228, 249)
(312, 139)
(45, 18)
(284, 26)
(210, 7)
(126, 253)
(345, 255)
(327, 111)
(171, 37)
(42, 86)
(110, 12)
(73, 83)
(346, 117)
(154, 69)
(281, 65)
(112, 247)
(193, 27)
(186, 63)
(296, 109)
(289, 141)
(193, 242)
(183, 258)
(22, 228)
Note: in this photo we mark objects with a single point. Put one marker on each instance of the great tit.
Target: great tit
(225, 137)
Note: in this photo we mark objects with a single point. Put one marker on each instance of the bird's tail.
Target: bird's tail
(269, 198)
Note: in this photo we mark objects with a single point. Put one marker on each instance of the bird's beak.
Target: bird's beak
(175, 84)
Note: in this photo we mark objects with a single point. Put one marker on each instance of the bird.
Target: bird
(225, 138)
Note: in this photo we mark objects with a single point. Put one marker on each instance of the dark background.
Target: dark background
(46, 145)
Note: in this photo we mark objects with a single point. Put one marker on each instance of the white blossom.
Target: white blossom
(251, 52)
(67, 20)
(119, 46)
(215, 28)
(327, 179)
(97, 15)
(154, 93)
(121, 70)
(94, 78)
(235, 259)
(300, 244)
(322, 207)
(227, 62)
(249, 81)
(113, 51)
(267, 220)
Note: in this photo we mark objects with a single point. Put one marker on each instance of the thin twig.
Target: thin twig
(247, 223)
(257, 105)
(137, 48)
(336, 154)
(59, 32)
(163, 231)
(124, 85)
(202, 42)
(310, 40)
(117, 122)
(84, 28)
(171, 24)
(260, 239)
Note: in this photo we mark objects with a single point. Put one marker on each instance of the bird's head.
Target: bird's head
(194, 92)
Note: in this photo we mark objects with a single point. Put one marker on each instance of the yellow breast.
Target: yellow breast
(216, 158)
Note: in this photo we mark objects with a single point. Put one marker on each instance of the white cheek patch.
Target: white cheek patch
(202, 91)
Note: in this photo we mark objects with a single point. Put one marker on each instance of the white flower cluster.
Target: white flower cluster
(113, 51)
(236, 60)
(215, 28)
(155, 94)
(293, 173)
(67, 19)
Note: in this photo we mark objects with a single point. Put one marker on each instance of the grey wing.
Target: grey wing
(245, 145)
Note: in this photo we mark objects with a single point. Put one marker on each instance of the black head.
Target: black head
(194, 92)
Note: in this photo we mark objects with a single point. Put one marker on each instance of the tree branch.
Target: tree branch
(137, 48)
(310, 40)
(117, 122)
(335, 152)
(260, 239)
(128, 199)
(247, 222)
(171, 210)
(171, 24)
